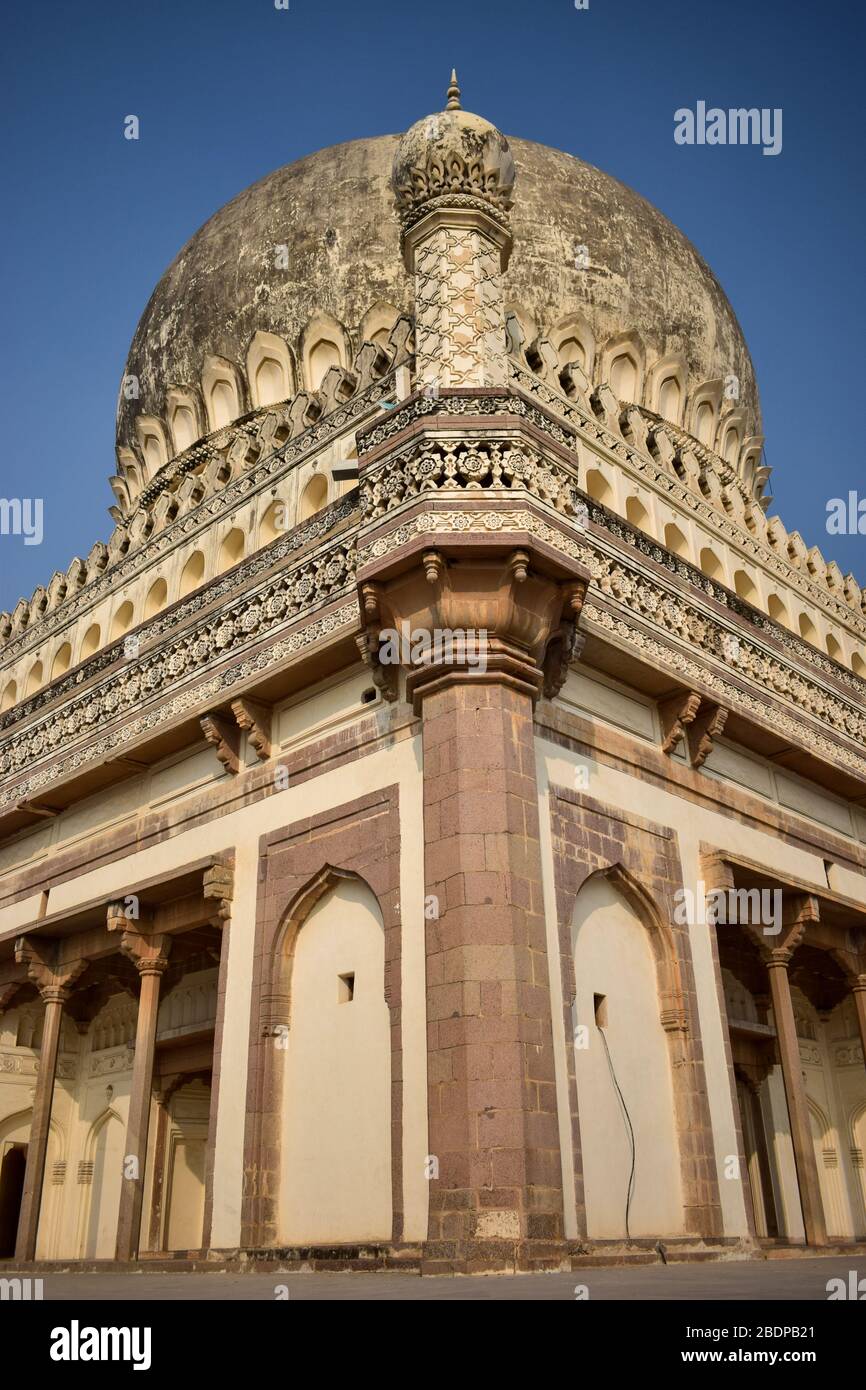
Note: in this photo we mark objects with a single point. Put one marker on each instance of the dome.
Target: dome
(312, 251)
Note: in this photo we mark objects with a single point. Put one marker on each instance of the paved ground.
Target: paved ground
(797, 1279)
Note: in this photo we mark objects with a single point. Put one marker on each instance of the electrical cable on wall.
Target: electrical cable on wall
(630, 1130)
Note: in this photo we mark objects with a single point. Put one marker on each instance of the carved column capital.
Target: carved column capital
(147, 951)
(53, 980)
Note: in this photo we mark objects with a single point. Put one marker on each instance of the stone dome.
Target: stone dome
(314, 249)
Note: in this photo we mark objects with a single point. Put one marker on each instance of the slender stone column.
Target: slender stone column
(37, 1148)
(149, 955)
(777, 962)
(54, 985)
(858, 989)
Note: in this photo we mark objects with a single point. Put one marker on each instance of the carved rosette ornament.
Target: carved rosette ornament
(453, 177)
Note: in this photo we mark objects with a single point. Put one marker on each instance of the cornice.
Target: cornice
(213, 646)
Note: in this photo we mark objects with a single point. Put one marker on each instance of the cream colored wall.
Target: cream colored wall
(240, 831)
(336, 1120)
(613, 957)
(694, 825)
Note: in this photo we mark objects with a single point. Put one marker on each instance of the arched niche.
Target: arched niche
(324, 345)
(637, 514)
(622, 367)
(35, 679)
(666, 388)
(378, 323)
(62, 660)
(598, 487)
(150, 433)
(731, 440)
(335, 1136)
(704, 412)
(232, 549)
(270, 370)
(100, 1195)
(184, 418)
(157, 598)
(746, 587)
(10, 696)
(777, 610)
(130, 469)
(192, 574)
(275, 521)
(122, 620)
(711, 565)
(90, 642)
(676, 542)
(625, 975)
(834, 648)
(573, 341)
(184, 1164)
(314, 497)
(808, 630)
(222, 391)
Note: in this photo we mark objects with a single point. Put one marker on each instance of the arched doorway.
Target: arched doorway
(625, 1099)
(13, 1162)
(104, 1164)
(757, 1156)
(336, 1109)
(189, 1111)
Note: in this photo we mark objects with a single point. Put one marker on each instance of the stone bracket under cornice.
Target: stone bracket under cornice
(688, 715)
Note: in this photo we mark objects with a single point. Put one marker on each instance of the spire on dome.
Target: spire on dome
(454, 93)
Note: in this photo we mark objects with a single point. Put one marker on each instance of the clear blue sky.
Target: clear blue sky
(227, 90)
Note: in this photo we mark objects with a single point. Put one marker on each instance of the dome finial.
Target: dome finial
(453, 94)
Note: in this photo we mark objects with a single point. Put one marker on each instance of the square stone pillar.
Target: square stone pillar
(492, 1101)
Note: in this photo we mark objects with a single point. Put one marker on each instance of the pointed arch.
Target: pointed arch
(299, 909)
(100, 1188)
(300, 865)
(661, 938)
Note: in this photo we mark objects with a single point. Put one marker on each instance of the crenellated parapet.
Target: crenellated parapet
(258, 478)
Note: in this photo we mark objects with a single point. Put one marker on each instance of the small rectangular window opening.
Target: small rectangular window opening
(346, 988)
(599, 1004)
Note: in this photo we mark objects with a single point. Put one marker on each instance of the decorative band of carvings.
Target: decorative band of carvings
(585, 424)
(494, 465)
(219, 687)
(282, 600)
(317, 528)
(676, 615)
(560, 419)
(264, 472)
(175, 670)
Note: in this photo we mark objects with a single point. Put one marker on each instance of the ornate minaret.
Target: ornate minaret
(468, 528)
(453, 176)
